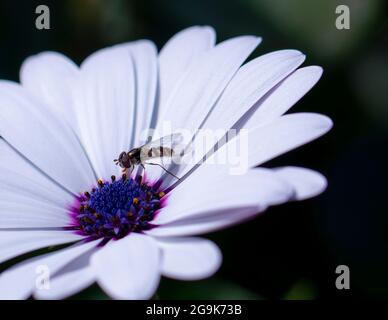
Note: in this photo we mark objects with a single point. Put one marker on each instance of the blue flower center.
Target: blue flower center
(116, 208)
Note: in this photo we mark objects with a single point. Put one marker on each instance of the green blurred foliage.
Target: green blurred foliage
(370, 83)
(210, 289)
(312, 23)
(302, 290)
(112, 20)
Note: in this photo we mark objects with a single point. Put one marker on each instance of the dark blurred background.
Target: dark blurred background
(292, 251)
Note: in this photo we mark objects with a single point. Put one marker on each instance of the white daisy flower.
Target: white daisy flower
(63, 125)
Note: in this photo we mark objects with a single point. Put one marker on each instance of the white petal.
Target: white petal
(306, 183)
(285, 134)
(67, 285)
(251, 83)
(181, 51)
(205, 224)
(18, 211)
(189, 258)
(18, 176)
(200, 88)
(268, 141)
(43, 137)
(195, 197)
(106, 106)
(19, 281)
(74, 277)
(284, 96)
(20, 184)
(204, 82)
(145, 61)
(50, 76)
(128, 268)
(15, 243)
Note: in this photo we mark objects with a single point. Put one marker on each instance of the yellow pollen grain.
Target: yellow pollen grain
(135, 200)
(161, 194)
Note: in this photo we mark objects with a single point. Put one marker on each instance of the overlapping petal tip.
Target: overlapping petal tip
(282, 97)
(306, 183)
(189, 258)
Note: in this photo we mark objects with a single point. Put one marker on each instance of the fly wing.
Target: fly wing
(169, 141)
(166, 146)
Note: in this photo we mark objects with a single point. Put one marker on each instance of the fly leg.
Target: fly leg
(159, 165)
(143, 167)
(128, 171)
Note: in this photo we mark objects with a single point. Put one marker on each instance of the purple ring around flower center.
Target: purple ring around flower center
(116, 208)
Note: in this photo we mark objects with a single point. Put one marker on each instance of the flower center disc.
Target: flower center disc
(116, 208)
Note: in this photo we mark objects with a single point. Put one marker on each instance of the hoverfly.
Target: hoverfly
(163, 147)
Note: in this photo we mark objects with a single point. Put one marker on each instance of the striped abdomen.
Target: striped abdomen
(157, 152)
